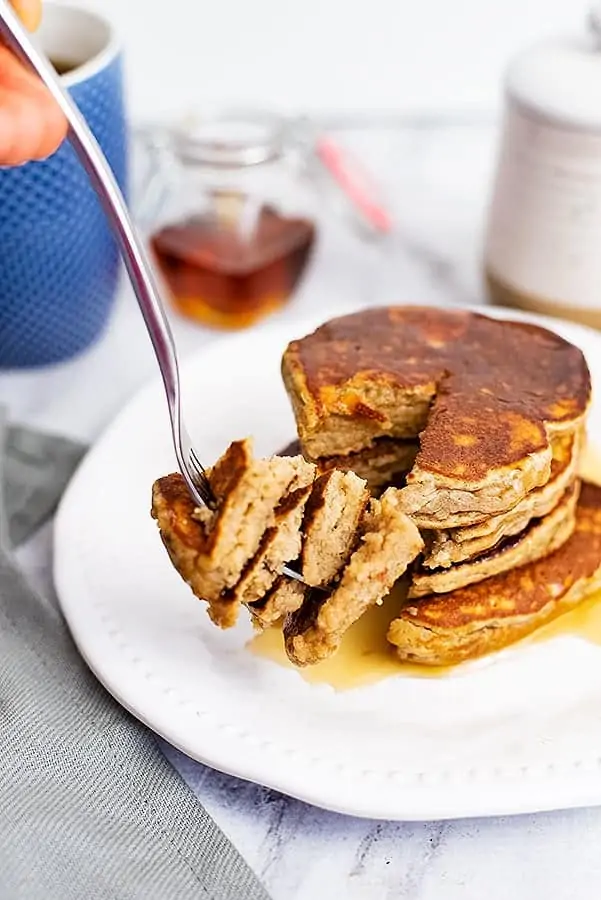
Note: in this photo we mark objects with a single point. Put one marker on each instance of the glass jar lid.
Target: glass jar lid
(230, 139)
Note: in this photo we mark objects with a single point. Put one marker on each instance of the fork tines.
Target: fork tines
(201, 481)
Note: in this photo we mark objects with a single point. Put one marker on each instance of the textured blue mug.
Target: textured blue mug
(59, 264)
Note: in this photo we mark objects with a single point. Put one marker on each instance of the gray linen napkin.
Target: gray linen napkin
(89, 807)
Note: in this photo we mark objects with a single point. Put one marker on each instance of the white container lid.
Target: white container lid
(560, 79)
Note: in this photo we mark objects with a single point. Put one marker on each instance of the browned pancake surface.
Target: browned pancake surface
(212, 549)
(456, 545)
(493, 384)
(470, 621)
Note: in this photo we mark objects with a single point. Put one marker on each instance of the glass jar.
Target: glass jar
(233, 208)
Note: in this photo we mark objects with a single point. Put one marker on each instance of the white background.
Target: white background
(331, 56)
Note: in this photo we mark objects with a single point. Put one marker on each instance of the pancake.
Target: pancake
(541, 537)
(449, 547)
(481, 618)
(285, 596)
(210, 549)
(381, 465)
(331, 520)
(280, 544)
(389, 543)
(449, 377)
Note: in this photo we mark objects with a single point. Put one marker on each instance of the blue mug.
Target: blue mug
(59, 264)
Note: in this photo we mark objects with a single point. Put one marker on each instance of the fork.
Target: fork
(145, 288)
(140, 273)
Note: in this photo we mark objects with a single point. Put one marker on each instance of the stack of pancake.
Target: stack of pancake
(439, 446)
(481, 421)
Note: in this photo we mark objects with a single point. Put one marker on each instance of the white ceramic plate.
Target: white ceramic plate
(519, 732)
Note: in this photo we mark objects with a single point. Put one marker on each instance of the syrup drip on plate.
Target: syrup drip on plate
(365, 656)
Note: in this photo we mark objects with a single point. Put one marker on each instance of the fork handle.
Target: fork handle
(104, 183)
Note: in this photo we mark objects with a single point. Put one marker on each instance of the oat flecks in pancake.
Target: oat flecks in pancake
(390, 541)
(452, 378)
(472, 621)
(211, 549)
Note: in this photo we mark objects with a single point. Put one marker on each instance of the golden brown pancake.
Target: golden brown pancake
(483, 395)
(385, 464)
(280, 544)
(285, 596)
(389, 542)
(449, 547)
(210, 549)
(381, 465)
(447, 629)
(541, 537)
(331, 520)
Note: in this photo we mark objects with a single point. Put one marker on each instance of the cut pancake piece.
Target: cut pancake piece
(389, 543)
(332, 517)
(331, 520)
(286, 596)
(542, 536)
(449, 377)
(280, 544)
(209, 548)
(385, 463)
(449, 547)
(475, 620)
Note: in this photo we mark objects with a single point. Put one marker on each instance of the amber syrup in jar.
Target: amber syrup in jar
(235, 226)
(224, 275)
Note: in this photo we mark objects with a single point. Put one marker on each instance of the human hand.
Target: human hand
(31, 124)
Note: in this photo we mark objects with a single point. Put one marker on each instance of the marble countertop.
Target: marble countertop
(438, 180)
